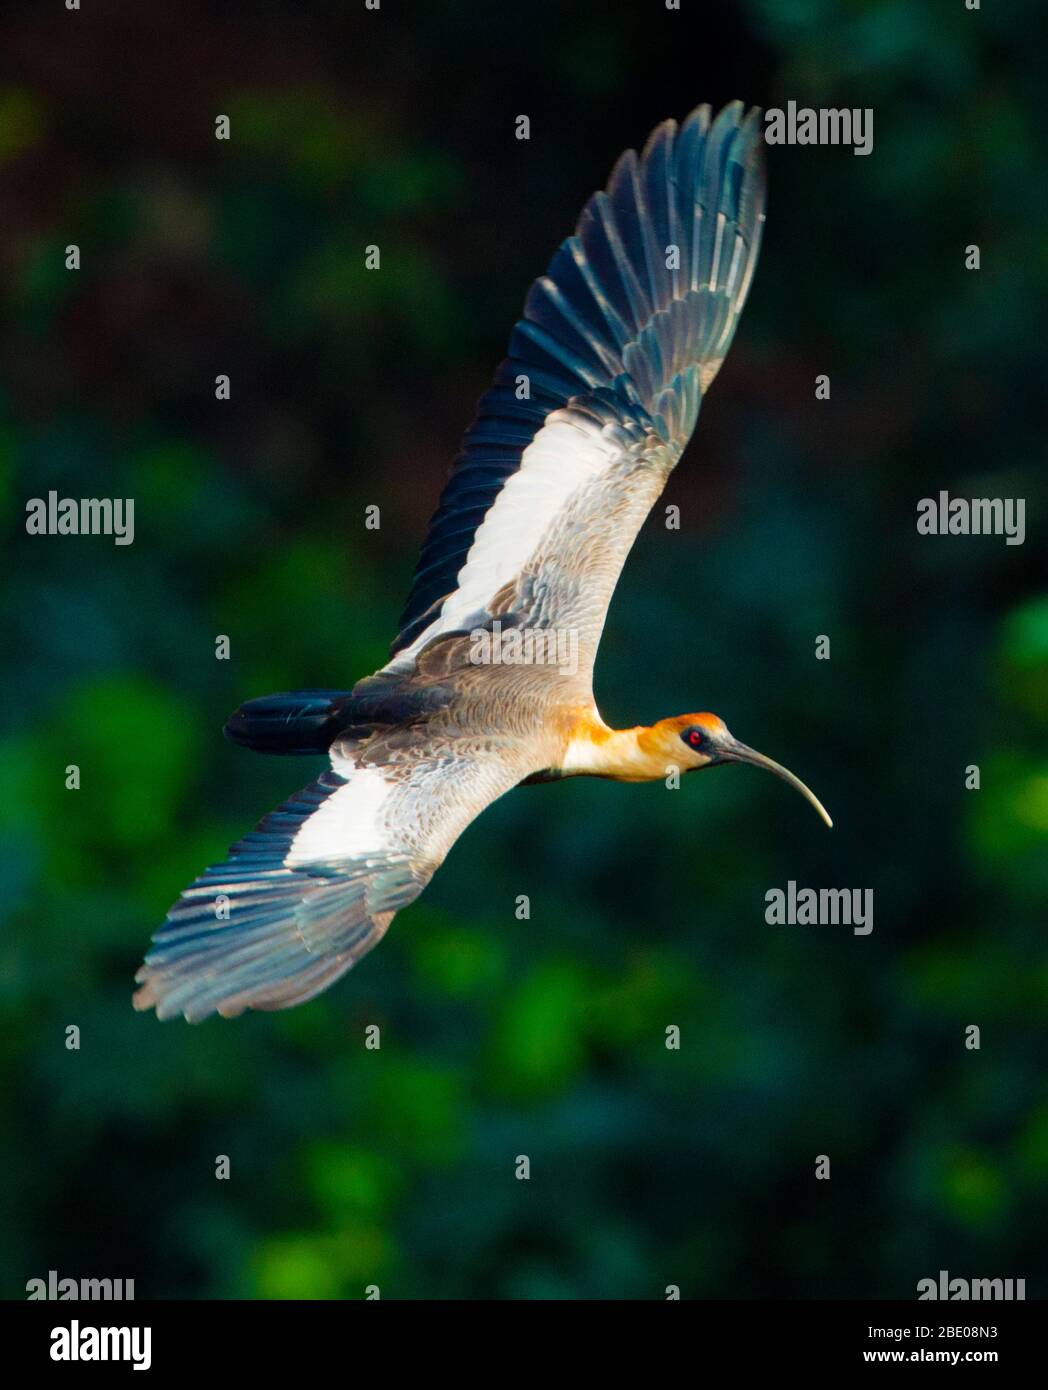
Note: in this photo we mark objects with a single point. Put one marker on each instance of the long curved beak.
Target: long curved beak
(739, 752)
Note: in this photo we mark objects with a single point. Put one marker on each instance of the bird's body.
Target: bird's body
(570, 449)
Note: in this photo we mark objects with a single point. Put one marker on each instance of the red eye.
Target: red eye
(695, 739)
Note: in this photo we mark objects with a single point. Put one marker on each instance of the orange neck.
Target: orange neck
(627, 755)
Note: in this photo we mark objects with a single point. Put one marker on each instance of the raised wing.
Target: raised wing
(316, 884)
(599, 394)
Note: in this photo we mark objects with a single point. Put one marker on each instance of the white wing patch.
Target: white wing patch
(349, 823)
(568, 452)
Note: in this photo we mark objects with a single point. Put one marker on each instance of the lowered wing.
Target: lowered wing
(309, 892)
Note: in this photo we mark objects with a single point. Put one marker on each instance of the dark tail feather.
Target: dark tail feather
(298, 721)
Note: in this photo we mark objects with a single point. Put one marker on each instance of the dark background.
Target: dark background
(649, 1167)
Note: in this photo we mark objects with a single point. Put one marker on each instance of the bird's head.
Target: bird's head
(694, 741)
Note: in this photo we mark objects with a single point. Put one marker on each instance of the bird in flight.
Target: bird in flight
(489, 682)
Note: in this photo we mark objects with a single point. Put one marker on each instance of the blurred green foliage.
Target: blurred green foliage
(542, 1037)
